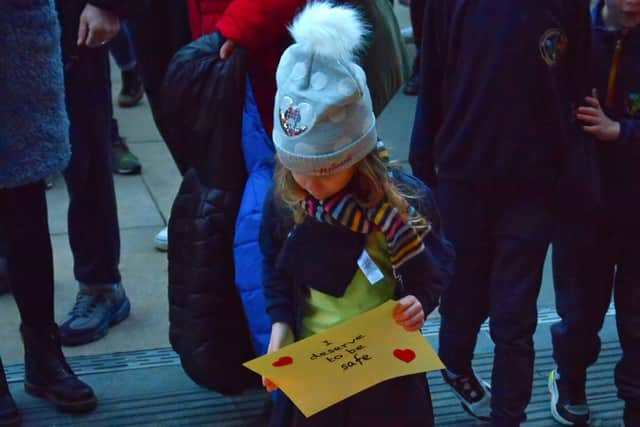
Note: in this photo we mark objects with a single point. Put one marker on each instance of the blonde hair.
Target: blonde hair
(370, 184)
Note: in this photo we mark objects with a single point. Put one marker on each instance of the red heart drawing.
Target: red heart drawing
(283, 361)
(407, 355)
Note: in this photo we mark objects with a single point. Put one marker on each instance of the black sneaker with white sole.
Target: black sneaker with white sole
(568, 401)
(474, 394)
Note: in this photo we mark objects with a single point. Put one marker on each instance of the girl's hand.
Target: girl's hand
(409, 313)
(596, 122)
(281, 336)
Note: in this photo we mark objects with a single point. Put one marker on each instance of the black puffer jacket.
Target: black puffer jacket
(208, 328)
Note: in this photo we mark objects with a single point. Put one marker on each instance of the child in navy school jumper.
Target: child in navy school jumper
(593, 258)
(336, 201)
(493, 133)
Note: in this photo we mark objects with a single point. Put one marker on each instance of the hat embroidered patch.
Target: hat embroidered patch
(295, 119)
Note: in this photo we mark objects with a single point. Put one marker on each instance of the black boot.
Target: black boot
(9, 415)
(47, 374)
(132, 90)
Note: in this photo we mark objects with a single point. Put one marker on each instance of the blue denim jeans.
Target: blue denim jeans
(122, 50)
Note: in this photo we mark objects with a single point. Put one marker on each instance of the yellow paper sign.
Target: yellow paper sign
(326, 368)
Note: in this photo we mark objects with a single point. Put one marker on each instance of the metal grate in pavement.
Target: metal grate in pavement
(194, 406)
(104, 363)
(115, 362)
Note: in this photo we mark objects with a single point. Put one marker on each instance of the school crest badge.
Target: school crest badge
(553, 44)
(633, 104)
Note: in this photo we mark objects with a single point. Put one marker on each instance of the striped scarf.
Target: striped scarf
(343, 209)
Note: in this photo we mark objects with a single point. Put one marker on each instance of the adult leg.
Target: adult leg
(583, 268)
(521, 234)
(47, 374)
(24, 219)
(465, 303)
(122, 50)
(158, 32)
(417, 13)
(93, 223)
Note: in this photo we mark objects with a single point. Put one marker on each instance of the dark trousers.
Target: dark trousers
(590, 263)
(501, 234)
(158, 32)
(399, 402)
(416, 9)
(23, 219)
(93, 221)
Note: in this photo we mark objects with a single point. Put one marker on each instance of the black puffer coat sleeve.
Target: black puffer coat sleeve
(278, 285)
(207, 323)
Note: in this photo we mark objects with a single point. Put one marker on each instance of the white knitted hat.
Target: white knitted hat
(323, 117)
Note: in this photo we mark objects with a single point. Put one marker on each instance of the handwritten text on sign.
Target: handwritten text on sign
(326, 368)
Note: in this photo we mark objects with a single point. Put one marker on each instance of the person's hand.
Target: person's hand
(281, 336)
(409, 313)
(227, 49)
(97, 26)
(596, 122)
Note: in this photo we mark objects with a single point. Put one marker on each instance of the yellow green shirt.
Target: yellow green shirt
(325, 311)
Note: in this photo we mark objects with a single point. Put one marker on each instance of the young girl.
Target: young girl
(343, 233)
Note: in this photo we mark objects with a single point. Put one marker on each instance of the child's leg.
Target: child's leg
(583, 268)
(523, 223)
(465, 303)
(627, 300)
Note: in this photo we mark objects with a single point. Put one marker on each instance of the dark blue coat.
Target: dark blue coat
(620, 160)
(314, 255)
(324, 257)
(500, 80)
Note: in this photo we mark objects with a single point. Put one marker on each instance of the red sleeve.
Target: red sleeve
(257, 23)
(195, 23)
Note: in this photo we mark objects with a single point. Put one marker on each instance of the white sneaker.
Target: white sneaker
(473, 393)
(161, 241)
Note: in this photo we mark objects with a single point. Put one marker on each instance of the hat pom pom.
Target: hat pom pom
(329, 30)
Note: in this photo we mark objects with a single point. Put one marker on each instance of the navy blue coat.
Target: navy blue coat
(500, 80)
(324, 257)
(316, 255)
(620, 160)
